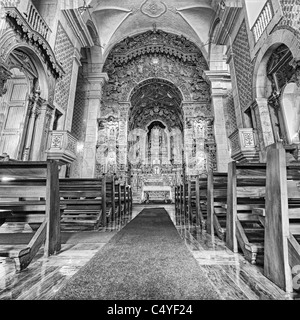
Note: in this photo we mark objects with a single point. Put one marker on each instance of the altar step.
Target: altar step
(136, 197)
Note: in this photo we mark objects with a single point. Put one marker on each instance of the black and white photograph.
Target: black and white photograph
(149, 155)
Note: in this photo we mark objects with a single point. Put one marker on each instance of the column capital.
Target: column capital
(100, 77)
(96, 82)
(220, 81)
(217, 75)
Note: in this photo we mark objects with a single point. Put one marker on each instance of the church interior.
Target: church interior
(149, 150)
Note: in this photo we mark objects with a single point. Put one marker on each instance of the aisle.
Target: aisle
(147, 260)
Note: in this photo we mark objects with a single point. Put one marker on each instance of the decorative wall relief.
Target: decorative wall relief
(193, 110)
(156, 54)
(243, 65)
(154, 8)
(64, 51)
(156, 99)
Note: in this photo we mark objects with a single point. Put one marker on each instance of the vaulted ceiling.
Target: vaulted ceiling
(118, 19)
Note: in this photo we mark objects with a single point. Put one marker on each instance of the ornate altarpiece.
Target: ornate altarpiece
(157, 97)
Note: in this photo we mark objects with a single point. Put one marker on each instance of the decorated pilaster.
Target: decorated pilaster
(112, 143)
(123, 136)
(34, 113)
(220, 83)
(196, 116)
(96, 82)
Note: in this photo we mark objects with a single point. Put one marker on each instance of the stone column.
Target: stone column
(263, 125)
(40, 141)
(220, 83)
(31, 130)
(94, 95)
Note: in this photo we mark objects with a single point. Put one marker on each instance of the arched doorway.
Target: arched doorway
(19, 107)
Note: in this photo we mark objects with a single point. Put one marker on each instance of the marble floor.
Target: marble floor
(232, 276)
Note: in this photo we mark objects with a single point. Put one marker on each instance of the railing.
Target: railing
(263, 20)
(63, 147)
(36, 21)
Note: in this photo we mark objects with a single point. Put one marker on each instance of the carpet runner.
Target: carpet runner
(146, 260)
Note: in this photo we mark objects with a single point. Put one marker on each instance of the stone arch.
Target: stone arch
(44, 60)
(42, 76)
(156, 54)
(199, 44)
(145, 82)
(279, 37)
(277, 64)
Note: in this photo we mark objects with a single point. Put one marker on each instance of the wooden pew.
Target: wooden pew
(129, 202)
(125, 204)
(216, 202)
(182, 204)
(282, 218)
(245, 195)
(177, 204)
(195, 214)
(119, 202)
(110, 201)
(29, 194)
(85, 201)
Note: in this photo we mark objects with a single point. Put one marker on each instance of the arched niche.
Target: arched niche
(261, 84)
(274, 69)
(156, 99)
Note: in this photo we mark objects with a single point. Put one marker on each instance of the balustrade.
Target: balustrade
(263, 20)
(36, 21)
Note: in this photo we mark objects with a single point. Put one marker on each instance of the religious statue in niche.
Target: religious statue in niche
(156, 170)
